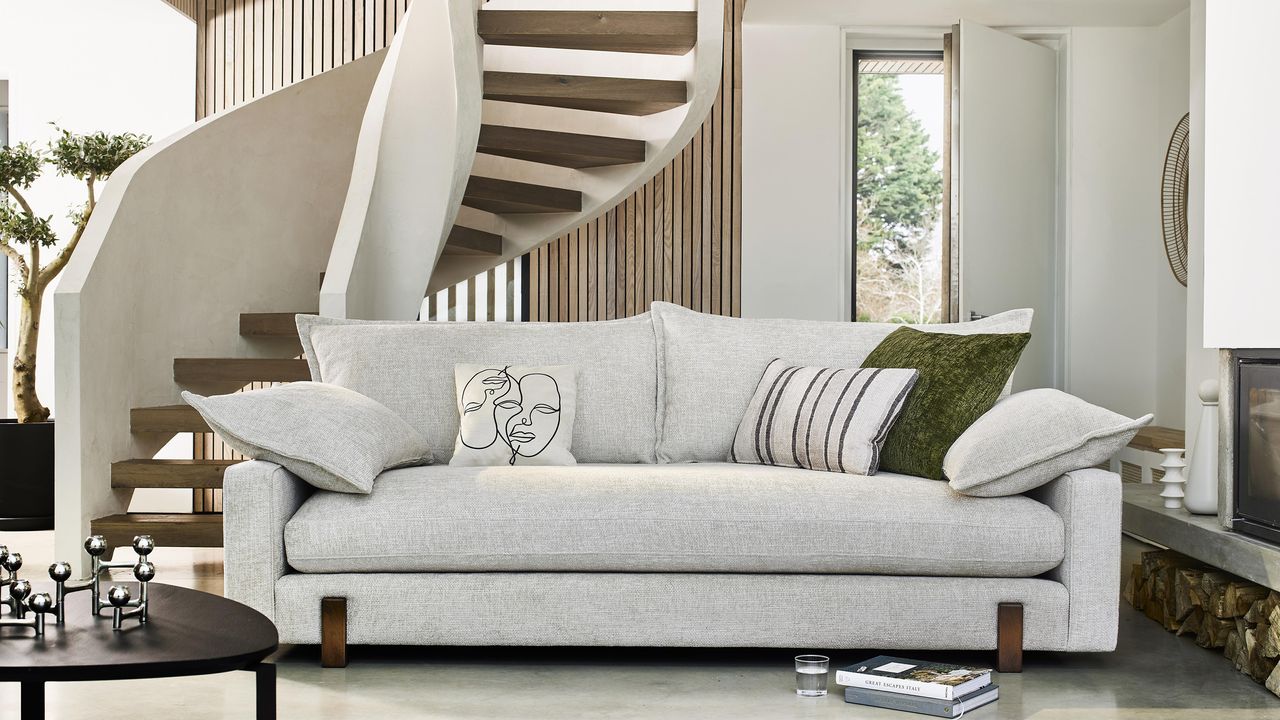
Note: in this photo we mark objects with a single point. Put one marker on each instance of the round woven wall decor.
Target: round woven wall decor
(1173, 199)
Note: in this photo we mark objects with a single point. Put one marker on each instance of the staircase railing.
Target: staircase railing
(495, 295)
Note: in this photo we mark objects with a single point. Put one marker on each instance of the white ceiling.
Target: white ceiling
(1021, 13)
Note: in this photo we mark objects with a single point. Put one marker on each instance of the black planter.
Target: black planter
(26, 475)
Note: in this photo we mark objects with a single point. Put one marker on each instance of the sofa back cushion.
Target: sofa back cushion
(711, 365)
(409, 367)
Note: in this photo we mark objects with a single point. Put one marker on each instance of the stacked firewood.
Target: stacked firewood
(1216, 608)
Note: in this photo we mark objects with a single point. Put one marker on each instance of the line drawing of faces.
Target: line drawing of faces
(479, 396)
(530, 429)
(523, 413)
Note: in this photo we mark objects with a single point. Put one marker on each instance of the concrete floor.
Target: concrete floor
(1152, 676)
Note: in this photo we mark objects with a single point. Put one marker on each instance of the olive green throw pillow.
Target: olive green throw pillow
(961, 377)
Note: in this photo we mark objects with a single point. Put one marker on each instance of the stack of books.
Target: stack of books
(928, 688)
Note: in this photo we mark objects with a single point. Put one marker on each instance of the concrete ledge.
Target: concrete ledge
(1199, 536)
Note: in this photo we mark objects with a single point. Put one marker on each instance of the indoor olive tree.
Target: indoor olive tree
(88, 158)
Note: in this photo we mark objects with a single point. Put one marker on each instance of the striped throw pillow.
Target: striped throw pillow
(832, 419)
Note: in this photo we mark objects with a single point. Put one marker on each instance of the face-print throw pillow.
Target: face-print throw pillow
(514, 414)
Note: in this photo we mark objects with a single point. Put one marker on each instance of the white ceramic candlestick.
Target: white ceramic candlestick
(1173, 478)
(1202, 475)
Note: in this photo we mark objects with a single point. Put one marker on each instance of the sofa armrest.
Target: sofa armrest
(1088, 501)
(258, 498)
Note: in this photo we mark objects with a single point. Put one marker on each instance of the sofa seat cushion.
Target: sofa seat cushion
(715, 517)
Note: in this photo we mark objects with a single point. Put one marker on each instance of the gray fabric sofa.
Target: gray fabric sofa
(654, 539)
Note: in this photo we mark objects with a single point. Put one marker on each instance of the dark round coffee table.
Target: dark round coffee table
(189, 633)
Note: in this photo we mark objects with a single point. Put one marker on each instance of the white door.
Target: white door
(1006, 111)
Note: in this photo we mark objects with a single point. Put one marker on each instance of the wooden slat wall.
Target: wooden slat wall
(496, 295)
(247, 48)
(677, 239)
(186, 7)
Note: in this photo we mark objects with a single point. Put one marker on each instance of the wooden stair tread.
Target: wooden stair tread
(571, 150)
(188, 371)
(169, 473)
(657, 32)
(508, 196)
(270, 324)
(167, 419)
(624, 96)
(168, 529)
(469, 241)
(1153, 437)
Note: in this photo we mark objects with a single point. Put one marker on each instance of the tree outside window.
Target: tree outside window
(899, 198)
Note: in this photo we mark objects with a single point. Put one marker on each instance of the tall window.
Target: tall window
(898, 146)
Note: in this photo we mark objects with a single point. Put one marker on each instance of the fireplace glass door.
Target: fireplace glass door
(1258, 447)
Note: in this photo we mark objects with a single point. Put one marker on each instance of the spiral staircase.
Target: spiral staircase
(547, 119)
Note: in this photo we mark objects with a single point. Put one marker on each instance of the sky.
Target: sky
(923, 97)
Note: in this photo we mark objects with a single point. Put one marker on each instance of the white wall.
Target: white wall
(1241, 184)
(1125, 312)
(88, 65)
(1201, 363)
(794, 259)
(4, 296)
(1112, 219)
(1172, 55)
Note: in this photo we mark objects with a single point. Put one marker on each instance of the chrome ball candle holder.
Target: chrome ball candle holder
(118, 598)
(26, 609)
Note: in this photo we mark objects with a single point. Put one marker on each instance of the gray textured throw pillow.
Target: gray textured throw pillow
(333, 438)
(1032, 437)
(819, 418)
(514, 414)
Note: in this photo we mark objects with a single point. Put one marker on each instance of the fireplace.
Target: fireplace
(1257, 443)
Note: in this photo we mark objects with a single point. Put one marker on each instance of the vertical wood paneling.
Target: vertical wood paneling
(246, 48)
(237, 72)
(190, 8)
(511, 289)
(735, 231)
(677, 238)
(491, 294)
(281, 36)
(711, 301)
(471, 301)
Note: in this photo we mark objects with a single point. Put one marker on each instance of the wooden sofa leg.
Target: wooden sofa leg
(1009, 637)
(333, 632)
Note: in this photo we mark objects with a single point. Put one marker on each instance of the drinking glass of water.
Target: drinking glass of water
(811, 675)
